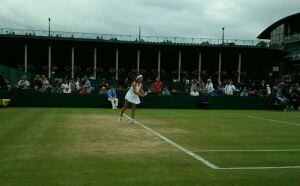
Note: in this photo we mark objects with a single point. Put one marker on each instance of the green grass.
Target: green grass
(60, 146)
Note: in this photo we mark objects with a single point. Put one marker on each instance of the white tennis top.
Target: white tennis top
(132, 97)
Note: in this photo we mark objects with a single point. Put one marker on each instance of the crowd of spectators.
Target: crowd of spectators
(227, 87)
(66, 85)
(41, 83)
(284, 89)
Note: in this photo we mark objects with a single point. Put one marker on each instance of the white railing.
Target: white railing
(128, 38)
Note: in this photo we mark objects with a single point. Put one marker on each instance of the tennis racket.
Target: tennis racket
(148, 92)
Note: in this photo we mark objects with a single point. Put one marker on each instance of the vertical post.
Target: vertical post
(95, 63)
(72, 65)
(139, 33)
(138, 62)
(25, 59)
(49, 62)
(49, 29)
(220, 67)
(223, 30)
(239, 68)
(199, 65)
(158, 64)
(117, 64)
(179, 66)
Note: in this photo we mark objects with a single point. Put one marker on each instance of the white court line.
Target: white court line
(269, 150)
(189, 115)
(197, 157)
(259, 168)
(211, 115)
(287, 116)
(272, 120)
(204, 161)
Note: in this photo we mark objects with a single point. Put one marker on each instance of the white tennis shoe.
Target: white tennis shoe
(133, 121)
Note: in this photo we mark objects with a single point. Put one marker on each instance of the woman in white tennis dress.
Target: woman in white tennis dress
(133, 97)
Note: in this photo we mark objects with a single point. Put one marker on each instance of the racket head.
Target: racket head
(148, 91)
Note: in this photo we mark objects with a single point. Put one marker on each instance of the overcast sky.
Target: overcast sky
(242, 19)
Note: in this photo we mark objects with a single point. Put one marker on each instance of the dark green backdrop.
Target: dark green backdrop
(31, 99)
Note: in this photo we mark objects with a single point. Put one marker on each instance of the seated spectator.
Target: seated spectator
(23, 83)
(186, 82)
(209, 87)
(73, 86)
(56, 88)
(193, 85)
(166, 92)
(230, 88)
(244, 93)
(157, 86)
(37, 83)
(87, 86)
(195, 92)
(45, 84)
(251, 92)
(280, 95)
(103, 91)
(262, 88)
(112, 97)
(201, 86)
(221, 88)
(78, 84)
(65, 87)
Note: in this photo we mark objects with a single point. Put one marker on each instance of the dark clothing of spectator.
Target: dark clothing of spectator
(38, 83)
(3, 84)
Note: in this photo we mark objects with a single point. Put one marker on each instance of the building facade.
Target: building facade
(285, 34)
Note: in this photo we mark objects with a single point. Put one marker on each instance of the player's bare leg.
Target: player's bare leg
(133, 108)
(123, 109)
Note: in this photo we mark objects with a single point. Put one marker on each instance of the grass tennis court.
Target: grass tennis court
(60, 146)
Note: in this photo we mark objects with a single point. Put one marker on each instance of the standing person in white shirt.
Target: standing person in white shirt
(209, 87)
(133, 97)
(230, 88)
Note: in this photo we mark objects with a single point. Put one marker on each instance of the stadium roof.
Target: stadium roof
(266, 34)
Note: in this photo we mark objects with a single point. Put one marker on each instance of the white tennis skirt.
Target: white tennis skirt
(132, 98)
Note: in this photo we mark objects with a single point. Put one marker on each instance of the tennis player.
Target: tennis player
(133, 97)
